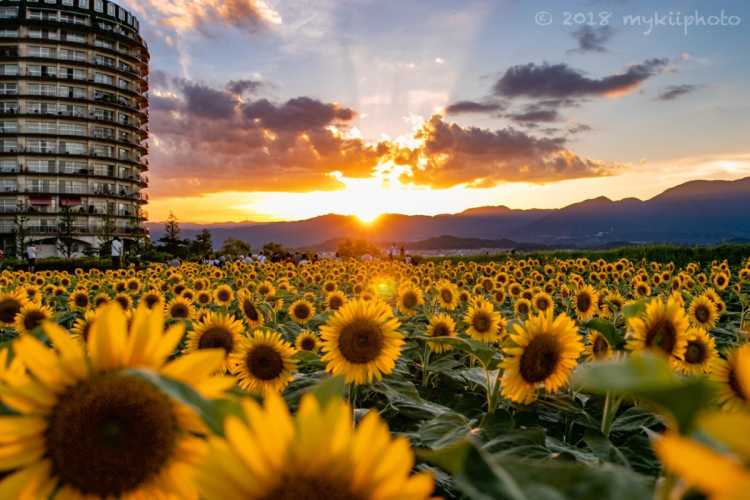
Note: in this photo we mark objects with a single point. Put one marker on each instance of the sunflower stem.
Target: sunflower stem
(425, 365)
(611, 405)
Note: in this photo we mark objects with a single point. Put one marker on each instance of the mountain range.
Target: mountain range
(697, 212)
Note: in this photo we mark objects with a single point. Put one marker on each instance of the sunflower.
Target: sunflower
(598, 347)
(447, 294)
(545, 352)
(133, 285)
(717, 475)
(733, 378)
(586, 303)
(301, 311)
(78, 300)
(522, 308)
(203, 298)
(441, 325)
(307, 341)
(152, 299)
(316, 454)
(11, 304)
(266, 289)
(223, 295)
(334, 300)
(483, 321)
(125, 301)
(215, 331)
(700, 353)
(662, 328)
(179, 308)
(409, 298)
(31, 316)
(543, 301)
(720, 281)
(101, 298)
(263, 362)
(86, 427)
(702, 312)
(361, 341)
(82, 326)
(250, 311)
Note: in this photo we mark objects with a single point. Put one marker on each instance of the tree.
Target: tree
(106, 232)
(20, 234)
(273, 248)
(357, 248)
(171, 239)
(66, 242)
(234, 248)
(202, 246)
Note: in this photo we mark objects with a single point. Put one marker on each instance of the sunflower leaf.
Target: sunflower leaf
(486, 354)
(328, 389)
(614, 338)
(634, 309)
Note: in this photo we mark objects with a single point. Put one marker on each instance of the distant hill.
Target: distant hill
(697, 212)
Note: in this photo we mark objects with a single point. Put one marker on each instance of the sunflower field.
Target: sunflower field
(526, 379)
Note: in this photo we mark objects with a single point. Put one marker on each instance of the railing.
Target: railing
(79, 172)
(74, 114)
(63, 190)
(51, 149)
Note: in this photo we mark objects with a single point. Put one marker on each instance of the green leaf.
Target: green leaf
(210, 411)
(329, 389)
(444, 429)
(486, 354)
(614, 338)
(634, 309)
(649, 378)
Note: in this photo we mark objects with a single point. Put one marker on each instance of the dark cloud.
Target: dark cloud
(674, 91)
(592, 38)
(536, 114)
(298, 114)
(207, 139)
(484, 158)
(560, 81)
(579, 128)
(461, 107)
(241, 87)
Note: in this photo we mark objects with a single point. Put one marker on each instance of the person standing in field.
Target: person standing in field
(31, 257)
(116, 253)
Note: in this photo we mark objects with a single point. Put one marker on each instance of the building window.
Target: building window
(111, 9)
(8, 12)
(84, 4)
(99, 5)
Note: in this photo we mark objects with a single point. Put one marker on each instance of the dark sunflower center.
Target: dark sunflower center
(312, 488)
(301, 311)
(203, 298)
(123, 301)
(600, 347)
(133, 285)
(223, 295)
(81, 300)
(100, 301)
(523, 307)
(335, 302)
(696, 352)
(663, 335)
(216, 337)
(179, 311)
(583, 302)
(361, 341)
(539, 359)
(542, 304)
(307, 344)
(151, 300)
(481, 322)
(441, 330)
(9, 308)
(409, 300)
(33, 319)
(264, 362)
(250, 311)
(702, 314)
(446, 295)
(110, 434)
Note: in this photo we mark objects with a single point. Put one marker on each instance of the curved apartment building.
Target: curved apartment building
(73, 124)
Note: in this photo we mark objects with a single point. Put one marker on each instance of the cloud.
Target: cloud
(461, 107)
(209, 139)
(241, 87)
(672, 92)
(592, 38)
(453, 155)
(537, 113)
(206, 16)
(560, 81)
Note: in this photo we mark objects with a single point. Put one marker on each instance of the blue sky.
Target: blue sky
(397, 65)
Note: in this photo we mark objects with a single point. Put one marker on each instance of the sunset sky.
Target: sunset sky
(286, 109)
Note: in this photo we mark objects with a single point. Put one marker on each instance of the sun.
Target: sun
(366, 216)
